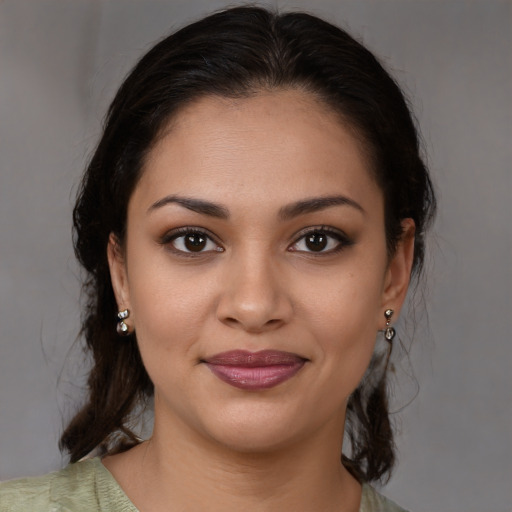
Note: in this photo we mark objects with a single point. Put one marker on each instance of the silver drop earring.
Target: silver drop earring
(123, 329)
(389, 332)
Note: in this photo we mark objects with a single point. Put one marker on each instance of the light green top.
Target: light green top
(88, 486)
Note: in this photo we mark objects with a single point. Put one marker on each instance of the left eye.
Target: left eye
(318, 241)
(193, 242)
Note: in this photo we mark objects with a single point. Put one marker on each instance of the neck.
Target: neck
(189, 472)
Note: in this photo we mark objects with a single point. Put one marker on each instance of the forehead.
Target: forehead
(284, 145)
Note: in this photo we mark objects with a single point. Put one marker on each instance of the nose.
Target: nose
(254, 295)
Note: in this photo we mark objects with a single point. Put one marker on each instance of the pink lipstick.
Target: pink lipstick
(254, 370)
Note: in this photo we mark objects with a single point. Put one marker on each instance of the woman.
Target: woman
(249, 225)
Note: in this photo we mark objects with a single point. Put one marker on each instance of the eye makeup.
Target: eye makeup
(190, 241)
(193, 241)
(321, 241)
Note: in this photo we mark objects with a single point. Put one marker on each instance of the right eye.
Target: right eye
(190, 241)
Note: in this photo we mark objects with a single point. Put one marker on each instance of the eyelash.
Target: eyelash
(170, 237)
(341, 240)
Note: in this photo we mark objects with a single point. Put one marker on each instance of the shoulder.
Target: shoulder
(84, 486)
(25, 494)
(372, 501)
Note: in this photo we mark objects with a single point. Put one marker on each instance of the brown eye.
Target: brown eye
(195, 242)
(191, 241)
(316, 241)
(321, 241)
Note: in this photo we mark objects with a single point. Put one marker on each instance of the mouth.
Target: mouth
(254, 370)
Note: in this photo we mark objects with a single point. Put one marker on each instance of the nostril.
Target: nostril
(254, 327)
(254, 308)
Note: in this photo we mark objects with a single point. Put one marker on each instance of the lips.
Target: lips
(254, 370)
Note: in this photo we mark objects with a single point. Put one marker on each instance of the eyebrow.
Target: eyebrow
(287, 212)
(196, 205)
(315, 204)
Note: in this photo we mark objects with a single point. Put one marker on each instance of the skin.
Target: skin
(257, 285)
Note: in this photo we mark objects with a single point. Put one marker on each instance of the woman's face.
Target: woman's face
(255, 270)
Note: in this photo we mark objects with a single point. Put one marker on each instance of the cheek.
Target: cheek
(167, 317)
(347, 302)
(342, 318)
(166, 305)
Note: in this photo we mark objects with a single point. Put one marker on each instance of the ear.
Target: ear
(398, 274)
(118, 273)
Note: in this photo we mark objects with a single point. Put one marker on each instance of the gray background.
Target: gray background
(61, 62)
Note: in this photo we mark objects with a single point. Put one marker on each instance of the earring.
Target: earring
(389, 332)
(123, 329)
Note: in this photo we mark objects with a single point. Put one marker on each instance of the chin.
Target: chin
(257, 442)
(262, 430)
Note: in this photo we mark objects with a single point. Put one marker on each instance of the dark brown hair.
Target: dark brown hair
(235, 53)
